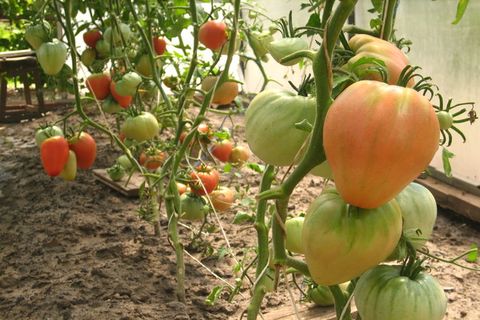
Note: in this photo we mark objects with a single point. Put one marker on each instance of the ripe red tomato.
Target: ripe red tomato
(239, 155)
(85, 149)
(123, 101)
(99, 85)
(160, 45)
(222, 199)
(213, 34)
(152, 159)
(377, 139)
(54, 155)
(204, 180)
(91, 37)
(222, 150)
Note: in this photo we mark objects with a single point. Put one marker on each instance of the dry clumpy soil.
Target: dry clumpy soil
(78, 250)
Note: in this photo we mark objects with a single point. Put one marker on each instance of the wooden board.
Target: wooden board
(452, 198)
(305, 312)
(131, 189)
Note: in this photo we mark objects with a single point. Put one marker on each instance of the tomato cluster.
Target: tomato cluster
(61, 157)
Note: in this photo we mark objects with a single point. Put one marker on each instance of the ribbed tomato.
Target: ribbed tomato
(152, 159)
(204, 180)
(384, 293)
(342, 241)
(52, 56)
(85, 149)
(270, 125)
(377, 139)
(54, 155)
(193, 207)
(368, 46)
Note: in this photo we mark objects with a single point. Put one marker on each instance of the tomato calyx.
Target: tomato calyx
(412, 266)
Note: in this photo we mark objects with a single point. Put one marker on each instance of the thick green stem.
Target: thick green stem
(388, 19)
(278, 231)
(177, 245)
(327, 11)
(340, 301)
(263, 252)
(260, 226)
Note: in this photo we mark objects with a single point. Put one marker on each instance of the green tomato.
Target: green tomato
(124, 162)
(103, 48)
(124, 32)
(342, 241)
(69, 172)
(419, 211)
(383, 293)
(445, 119)
(260, 42)
(322, 296)
(144, 67)
(88, 57)
(279, 49)
(193, 207)
(323, 170)
(270, 125)
(44, 133)
(52, 56)
(140, 128)
(109, 105)
(116, 172)
(293, 236)
(127, 86)
(38, 34)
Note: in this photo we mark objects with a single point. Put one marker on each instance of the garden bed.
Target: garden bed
(78, 250)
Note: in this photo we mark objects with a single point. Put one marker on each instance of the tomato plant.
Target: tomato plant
(54, 155)
(85, 149)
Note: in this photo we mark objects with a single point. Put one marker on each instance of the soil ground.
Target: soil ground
(78, 250)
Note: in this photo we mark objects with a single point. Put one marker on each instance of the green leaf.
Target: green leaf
(214, 295)
(461, 7)
(256, 167)
(227, 167)
(313, 21)
(377, 5)
(242, 217)
(472, 257)
(447, 167)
